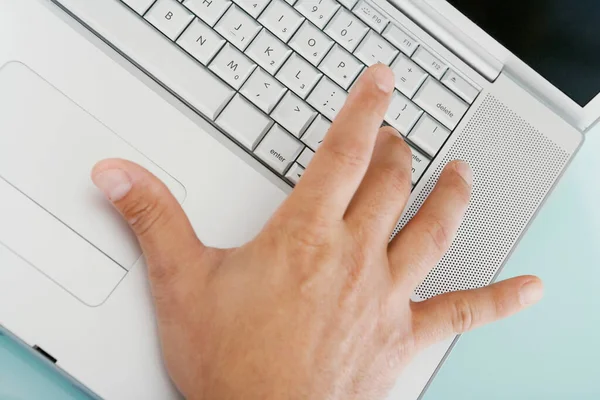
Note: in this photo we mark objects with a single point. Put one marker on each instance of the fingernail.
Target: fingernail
(384, 78)
(114, 183)
(465, 172)
(531, 292)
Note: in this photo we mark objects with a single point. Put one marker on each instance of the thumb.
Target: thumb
(162, 228)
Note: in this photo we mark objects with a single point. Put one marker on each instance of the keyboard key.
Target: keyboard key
(374, 49)
(370, 16)
(268, 51)
(298, 75)
(402, 114)
(293, 114)
(316, 132)
(419, 165)
(278, 149)
(305, 157)
(295, 173)
(232, 66)
(208, 11)
(346, 29)
(429, 135)
(201, 41)
(169, 17)
(263, 90)
(319, 12)
(281, 19)
(327, 98)
(409, 76)
(349, 4)
(441, 103)
(400, 39)
(429, 62)
(252, 7)
(237, 27)
(139, 6)
(341, 66)
(244, 122)
(311, 43)
(460, 86)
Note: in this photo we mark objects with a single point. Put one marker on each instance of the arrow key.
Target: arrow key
(295, 173)
(263, 90)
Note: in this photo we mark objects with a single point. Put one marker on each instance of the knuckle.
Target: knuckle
(438, 234)
(144, 214)
(395, 176)
(308, 234)
(349, 154)
(463, 315)
(460, 188)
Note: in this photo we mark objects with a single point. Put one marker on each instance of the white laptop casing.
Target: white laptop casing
(517, 147)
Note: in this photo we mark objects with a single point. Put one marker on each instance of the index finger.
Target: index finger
(339, 165)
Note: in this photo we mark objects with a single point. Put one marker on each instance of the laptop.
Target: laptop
(226, 102)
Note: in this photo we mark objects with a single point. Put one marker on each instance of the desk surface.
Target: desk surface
(548, 352)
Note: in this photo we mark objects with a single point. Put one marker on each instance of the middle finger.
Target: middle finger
(339, 165)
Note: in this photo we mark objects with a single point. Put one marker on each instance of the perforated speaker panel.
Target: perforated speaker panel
(514, 167)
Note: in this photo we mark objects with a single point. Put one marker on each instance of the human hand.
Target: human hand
(317, 306)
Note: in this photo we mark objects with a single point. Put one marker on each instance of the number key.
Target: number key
(346, 29)
(319, 12)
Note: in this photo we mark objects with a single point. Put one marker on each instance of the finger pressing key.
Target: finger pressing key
(339, 165)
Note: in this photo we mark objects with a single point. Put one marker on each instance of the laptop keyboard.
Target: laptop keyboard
(273, 74)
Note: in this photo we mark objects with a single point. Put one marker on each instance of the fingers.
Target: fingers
(383, 193)
(339, 165)
(453, 313)
(424, 240)
(155, 216)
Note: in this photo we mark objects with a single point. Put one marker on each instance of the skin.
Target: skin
(316, 306)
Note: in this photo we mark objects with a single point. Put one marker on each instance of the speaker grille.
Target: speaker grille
(514, 167)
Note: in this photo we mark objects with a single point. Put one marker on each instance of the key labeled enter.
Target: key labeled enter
(278, 149)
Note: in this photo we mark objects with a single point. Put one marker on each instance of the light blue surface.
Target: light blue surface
(549, 352)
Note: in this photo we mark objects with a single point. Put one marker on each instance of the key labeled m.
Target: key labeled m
(232, 65)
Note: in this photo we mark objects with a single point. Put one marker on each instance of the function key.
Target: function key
(371, 16)
(400, 39)
(430, 63)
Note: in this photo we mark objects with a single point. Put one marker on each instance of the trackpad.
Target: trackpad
(48, 146)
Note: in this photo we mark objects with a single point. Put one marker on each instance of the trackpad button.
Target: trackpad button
(48, 146)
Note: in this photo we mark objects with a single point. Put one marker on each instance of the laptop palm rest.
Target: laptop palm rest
(51, 215)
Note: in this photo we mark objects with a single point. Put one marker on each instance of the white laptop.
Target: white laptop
(227, 102)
